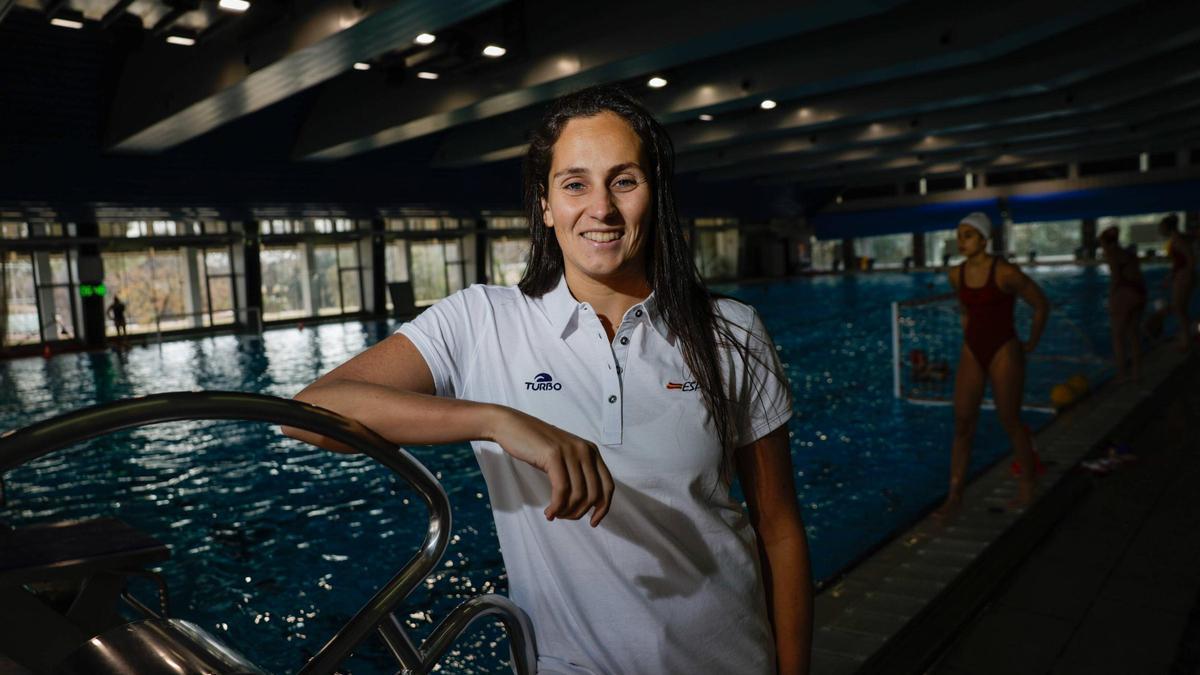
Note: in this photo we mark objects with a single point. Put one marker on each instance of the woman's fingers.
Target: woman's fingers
(560, 487)
(591, 484)
(607, 487)
(578, 489)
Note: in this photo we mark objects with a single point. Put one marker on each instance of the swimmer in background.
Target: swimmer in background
(925, 371)
(1180, 282)
(987, 288)
(1126, 302)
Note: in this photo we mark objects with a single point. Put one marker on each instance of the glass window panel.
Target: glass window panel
(14, 230)
(396, 261)
(1056, 240)
(130, 277)
(348, 255)
(455, 265)
(21, 315)
(60, 272)
(717, 253)
(324, 277)
(395, 224)
(216, 261)
(60, 322)
(509, 256)
(825, 252)
(221, 289)
(428, 270)
(888, 250)
(170, 275)
(941, 248)
(282, 290)
(351, 291)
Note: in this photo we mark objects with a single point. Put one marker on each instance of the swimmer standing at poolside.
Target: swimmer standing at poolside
(987, 288)
(1126, 302)
(1181, 280)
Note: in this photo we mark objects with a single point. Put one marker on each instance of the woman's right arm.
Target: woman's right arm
(389, 389)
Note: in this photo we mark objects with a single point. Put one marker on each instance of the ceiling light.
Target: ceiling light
(66, 23)
(705, 117)
(362, 66)
(425, 39)
(234, 5)
(657, 82)
(181, 40)
(494, 51)
(767, 104)
(426, 75)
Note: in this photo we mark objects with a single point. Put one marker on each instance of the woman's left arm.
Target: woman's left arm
(1011, 279)
(765, 471)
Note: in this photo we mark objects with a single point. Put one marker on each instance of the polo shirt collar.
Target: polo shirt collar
(563, 309)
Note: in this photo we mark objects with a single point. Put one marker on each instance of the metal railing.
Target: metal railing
(68, 429)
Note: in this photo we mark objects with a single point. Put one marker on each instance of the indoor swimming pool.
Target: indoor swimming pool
(275, 543)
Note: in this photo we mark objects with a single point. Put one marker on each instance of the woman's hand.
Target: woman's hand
(579, 479)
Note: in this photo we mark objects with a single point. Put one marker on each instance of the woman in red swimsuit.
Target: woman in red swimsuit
(1126, 301)
(987, 288)
(1182, 277)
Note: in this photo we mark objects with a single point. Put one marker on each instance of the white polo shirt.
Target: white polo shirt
(670, 581)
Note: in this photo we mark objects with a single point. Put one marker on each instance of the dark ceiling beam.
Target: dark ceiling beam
(1085, 53)
(169, 96)
(567, 54)
(908, 44)
(1110, 90)
(114, 13)
(888, 144)
(53, 7)
(5, 6)
(1025, 187)
(1164, 135)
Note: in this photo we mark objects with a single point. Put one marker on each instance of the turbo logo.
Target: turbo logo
(543, 382)
(684, 386)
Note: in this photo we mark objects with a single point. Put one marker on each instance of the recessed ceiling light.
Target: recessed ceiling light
(426, 75)
(66, 23)
(362, 66)
(234, 5)
(425, 39)
(181, 40)
(767, 104)
(494, 51)
(705, 117)
(657, 82)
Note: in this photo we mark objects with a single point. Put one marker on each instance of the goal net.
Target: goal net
(927, 336)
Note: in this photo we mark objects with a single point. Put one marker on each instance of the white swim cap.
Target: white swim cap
(978, 221)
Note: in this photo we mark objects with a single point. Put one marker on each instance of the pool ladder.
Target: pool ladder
(158, 644)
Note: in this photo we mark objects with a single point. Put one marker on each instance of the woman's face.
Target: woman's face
(970, 242)
(598, 199)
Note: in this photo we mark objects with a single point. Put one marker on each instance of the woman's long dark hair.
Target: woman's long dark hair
(680, 296)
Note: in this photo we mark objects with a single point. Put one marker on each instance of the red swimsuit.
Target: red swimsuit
(989, 316)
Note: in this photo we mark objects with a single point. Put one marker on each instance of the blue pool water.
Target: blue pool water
(275, 544)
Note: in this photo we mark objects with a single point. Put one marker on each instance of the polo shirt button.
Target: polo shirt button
(624, 340)
(638, 313)
(612, 399)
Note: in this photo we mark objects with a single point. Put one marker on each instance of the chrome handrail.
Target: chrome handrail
(23, 445)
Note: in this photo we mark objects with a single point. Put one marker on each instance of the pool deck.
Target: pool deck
(919, 602)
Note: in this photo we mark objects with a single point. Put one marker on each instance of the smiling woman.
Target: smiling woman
(610, 382)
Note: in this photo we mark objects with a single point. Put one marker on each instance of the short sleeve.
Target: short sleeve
(447, 334)
(766, 399)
